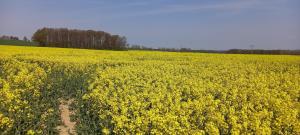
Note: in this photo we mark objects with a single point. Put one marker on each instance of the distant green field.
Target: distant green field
(17, 42)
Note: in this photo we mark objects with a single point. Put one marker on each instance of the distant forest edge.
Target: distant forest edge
(73, 38)
(90, 39)
(230, 51)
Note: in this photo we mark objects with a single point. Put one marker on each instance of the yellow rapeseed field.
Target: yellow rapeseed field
(148, 92)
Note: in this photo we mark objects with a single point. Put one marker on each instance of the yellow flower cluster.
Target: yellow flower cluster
(143, 92)
(224, 96)
(21, 103)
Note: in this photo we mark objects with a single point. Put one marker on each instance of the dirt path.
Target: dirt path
(68, 127)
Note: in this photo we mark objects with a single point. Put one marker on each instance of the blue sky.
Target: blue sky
(197, 24)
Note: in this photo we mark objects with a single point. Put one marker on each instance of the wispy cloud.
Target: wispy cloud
(137, 3)
(225, 6)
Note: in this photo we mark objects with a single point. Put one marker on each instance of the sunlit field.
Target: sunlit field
(148, 92)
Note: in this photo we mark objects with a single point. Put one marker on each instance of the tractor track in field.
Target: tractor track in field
(67, 127)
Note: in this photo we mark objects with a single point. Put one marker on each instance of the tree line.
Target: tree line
(231, 51)
(260, 51)
(5, 37)
(90, 39)
(73, 38)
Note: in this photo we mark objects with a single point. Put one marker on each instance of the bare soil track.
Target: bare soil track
(68, 127)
